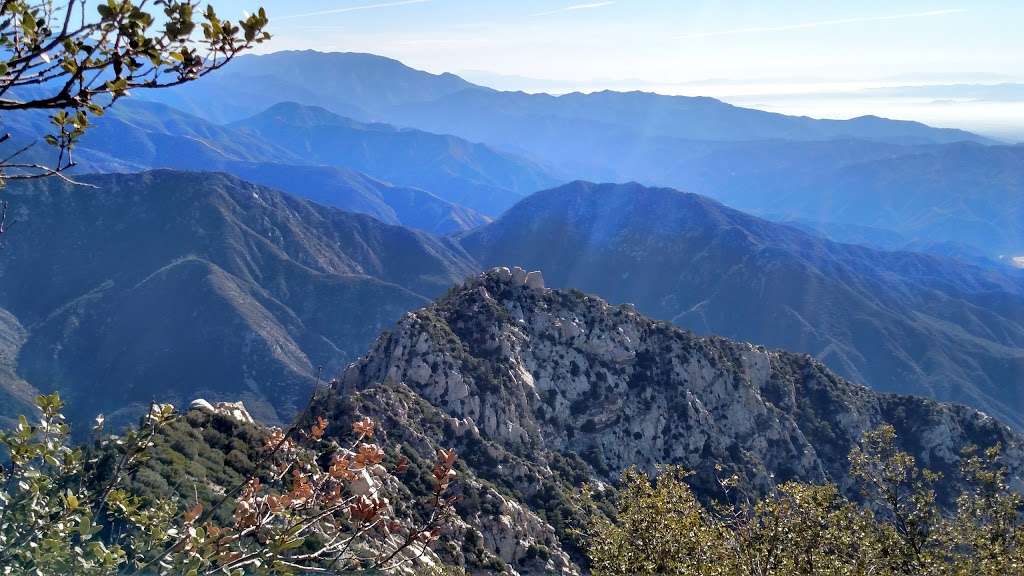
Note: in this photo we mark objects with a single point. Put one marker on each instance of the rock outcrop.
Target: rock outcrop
(233, 410)
(541, 390)
(896, 321)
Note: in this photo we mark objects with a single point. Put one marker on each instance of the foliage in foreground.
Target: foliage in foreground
(897, 529)
(307, 504)
(310, 506)
(76, 58)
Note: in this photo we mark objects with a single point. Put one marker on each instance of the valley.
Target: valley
(510, 308)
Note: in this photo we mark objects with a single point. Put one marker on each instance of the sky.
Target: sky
(765, 53)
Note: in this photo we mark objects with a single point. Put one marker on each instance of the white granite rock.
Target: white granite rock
(535, 280)
(202, 406)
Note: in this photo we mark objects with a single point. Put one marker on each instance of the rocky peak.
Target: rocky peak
(536, 368)
(541, 390)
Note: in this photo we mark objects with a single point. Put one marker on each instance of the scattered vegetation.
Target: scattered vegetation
(895, 526)
(201, 493)
(299, 502)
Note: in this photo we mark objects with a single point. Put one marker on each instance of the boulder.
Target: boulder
(364, 484)
(202, 406)
(535, 280)
(518, 276)
(235, 410)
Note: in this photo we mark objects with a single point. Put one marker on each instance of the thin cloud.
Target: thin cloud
(809, 25)
(353, 9)
(575, 7)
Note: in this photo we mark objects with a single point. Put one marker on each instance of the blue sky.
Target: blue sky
(666, 41)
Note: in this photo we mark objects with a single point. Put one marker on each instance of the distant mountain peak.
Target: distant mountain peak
(303, 115)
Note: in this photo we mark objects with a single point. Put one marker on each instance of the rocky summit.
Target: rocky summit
(541, 390)
(898, 322)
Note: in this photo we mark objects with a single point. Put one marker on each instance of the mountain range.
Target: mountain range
(766, 163)
(253, 234)
(291, 285)
(369, 87)
(480, 149)
(139, 135)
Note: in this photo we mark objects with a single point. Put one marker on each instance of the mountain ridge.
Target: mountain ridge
(376, 86)
(753, 160)
(171, 284)
(464, 173)
(899, 321)
(141, 135)
(540, 390)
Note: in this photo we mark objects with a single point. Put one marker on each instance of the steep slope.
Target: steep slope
(458, 171)
(541, 389)
(899, 322)
(965, 193)
(16, 395)
(166, 286)
(356, 192)
(138, 135)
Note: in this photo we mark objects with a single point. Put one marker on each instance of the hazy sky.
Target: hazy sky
(767, 54)
(667, 41)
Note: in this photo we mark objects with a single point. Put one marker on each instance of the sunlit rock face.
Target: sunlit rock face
(541, 390)
(896, 321)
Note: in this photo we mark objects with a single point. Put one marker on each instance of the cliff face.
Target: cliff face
(542, 389)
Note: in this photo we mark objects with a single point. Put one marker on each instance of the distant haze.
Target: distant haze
(985, 104)
(672, 47)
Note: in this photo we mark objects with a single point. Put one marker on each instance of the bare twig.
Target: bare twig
(44, 172)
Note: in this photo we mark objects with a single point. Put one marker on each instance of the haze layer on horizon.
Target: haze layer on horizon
(834, 59)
